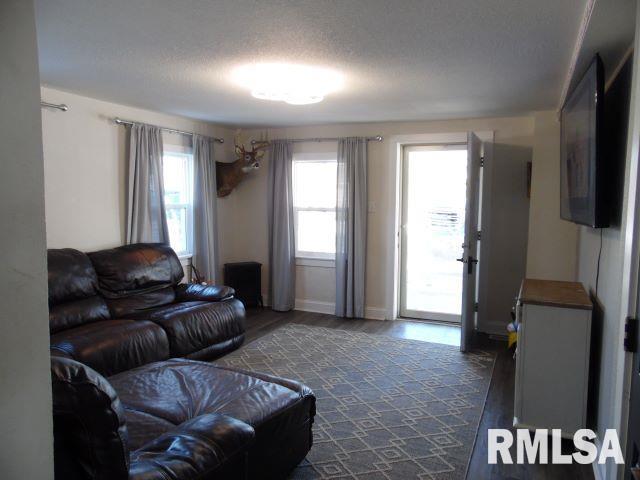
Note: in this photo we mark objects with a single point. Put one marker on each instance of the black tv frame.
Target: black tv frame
(598, 215)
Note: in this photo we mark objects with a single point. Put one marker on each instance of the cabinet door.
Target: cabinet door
(553, 378)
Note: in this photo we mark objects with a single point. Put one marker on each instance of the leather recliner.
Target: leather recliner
(121, 308)
(177, 419)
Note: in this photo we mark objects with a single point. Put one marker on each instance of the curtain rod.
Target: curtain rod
(120, 121)
(60, 106)
(377, 138)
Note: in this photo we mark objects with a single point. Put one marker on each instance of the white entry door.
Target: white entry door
(469, 257)
(433, 222)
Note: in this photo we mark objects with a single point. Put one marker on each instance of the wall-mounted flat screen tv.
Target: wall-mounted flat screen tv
(583, 182)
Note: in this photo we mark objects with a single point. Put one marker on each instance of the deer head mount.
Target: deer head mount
(229, 175)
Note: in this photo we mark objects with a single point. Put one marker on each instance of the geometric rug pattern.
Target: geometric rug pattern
(387, 408)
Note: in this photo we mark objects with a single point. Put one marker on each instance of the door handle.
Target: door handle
(470, 262)
(461, 260)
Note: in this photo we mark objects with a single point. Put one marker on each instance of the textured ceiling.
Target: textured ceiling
(403, 59)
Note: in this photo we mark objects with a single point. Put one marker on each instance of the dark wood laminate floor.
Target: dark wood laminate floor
(498, 412)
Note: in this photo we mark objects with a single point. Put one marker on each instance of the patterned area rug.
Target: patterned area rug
(386, 408)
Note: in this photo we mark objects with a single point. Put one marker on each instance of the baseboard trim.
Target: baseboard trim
(329, 308)
(315, 306)
(375, 313)
(494, 328)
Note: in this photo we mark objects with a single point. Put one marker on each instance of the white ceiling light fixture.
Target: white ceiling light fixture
(286, 82)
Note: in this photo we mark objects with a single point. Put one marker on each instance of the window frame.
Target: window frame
(183, 151)
(303, 257)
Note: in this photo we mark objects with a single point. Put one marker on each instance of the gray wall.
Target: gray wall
(608, 317)
(26, 440)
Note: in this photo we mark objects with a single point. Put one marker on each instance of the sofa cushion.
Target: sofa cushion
(89, 423)
(71, 275)
(137, 277)
(188, 292)
(73, 290)
(72, 314)
(135, 268)
(161, 395)
(195, 326)
(208, 446)
(113, 346)
(137, 302)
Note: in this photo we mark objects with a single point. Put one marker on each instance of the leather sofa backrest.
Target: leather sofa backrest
(90, 431)
(73, 290)
(137, 276)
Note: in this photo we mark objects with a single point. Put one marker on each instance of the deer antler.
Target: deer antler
(239, 143)
(258, 147)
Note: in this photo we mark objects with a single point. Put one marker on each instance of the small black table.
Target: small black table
(246, 280)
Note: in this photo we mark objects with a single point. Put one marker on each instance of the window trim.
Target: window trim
(316, 262)
(315, 156)
(183, 151)
(306, 258)
(315, 255)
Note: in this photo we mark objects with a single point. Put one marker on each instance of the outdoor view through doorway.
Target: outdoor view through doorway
(432, 236)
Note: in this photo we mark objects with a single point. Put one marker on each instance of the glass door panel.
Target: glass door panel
(433, 219)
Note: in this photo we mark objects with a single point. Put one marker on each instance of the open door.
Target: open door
(470, 246)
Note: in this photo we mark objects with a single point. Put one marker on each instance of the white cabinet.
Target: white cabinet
(552, 361)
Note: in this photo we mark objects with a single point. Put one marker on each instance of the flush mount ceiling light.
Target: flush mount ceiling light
(290, 83)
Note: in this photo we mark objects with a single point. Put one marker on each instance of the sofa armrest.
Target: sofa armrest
(189, 292)
(203, 446)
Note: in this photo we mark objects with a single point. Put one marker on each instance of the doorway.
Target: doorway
(434, 197)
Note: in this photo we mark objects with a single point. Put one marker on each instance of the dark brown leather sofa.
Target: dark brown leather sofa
(177, 419)
(123, 410)
(117, 309)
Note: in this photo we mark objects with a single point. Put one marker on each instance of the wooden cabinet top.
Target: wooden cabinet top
(553, 293)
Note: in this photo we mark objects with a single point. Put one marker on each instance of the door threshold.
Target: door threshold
(442, 323)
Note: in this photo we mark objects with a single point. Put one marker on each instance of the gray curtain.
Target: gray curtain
(146, 215)
(205, 248)
(351, 227)
(282, 250)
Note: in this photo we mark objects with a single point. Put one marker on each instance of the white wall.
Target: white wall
(26, 438)
(84, 155)
(84, 158)
(315, 284)
(552, 241)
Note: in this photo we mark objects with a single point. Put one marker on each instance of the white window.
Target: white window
(178, 198)
(314, 204)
